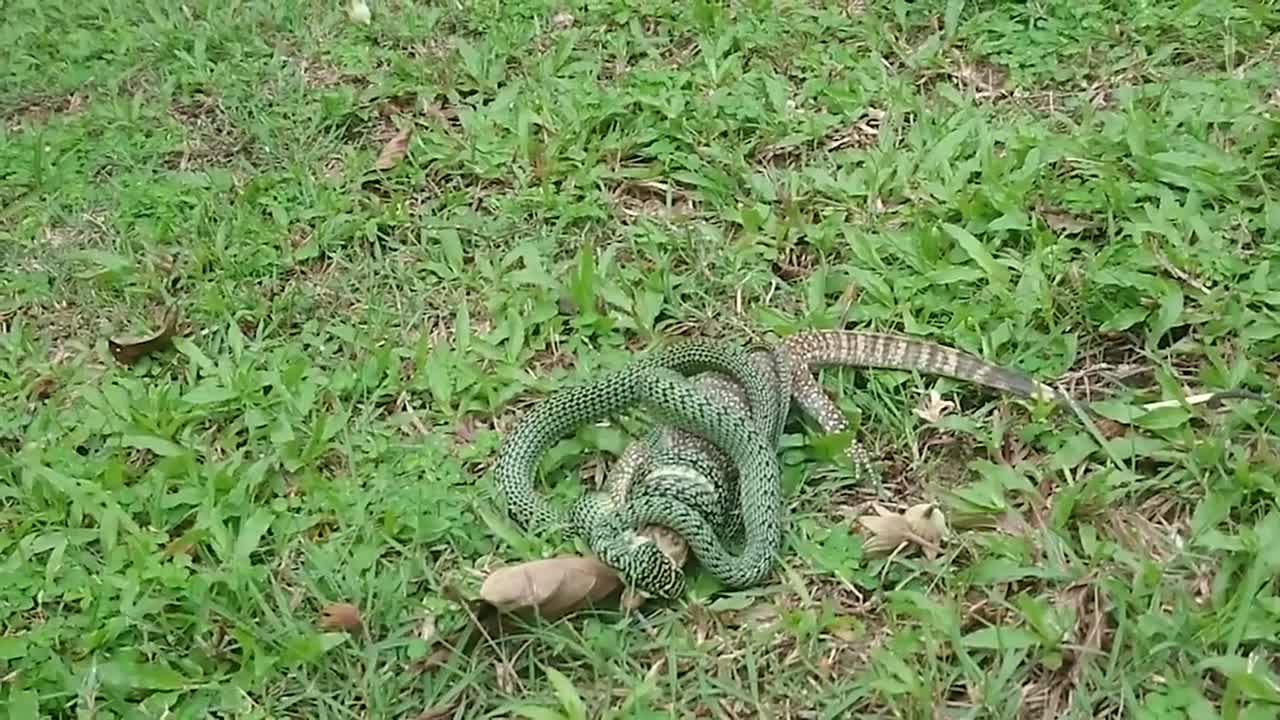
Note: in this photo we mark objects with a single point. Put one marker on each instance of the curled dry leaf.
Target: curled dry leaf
(358, 11)
(128, 350)
(438, 657)
(928, 522)
(932, 409)
(922, 525)
(550, 588)
(888, 531)
(340, 616)
(395, 149)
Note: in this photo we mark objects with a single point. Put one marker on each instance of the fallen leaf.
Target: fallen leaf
(922, 525)
(128, 350)
(562, 21)
(1109, 428)
(340, 616)
(888, 531)
(43, 387)
(934, 408)
(1064, 222)
(395, 149)
(439, 656)
(550, 588)
(927, 522)
(358, 11)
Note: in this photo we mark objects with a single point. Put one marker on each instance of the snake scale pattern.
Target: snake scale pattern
(708, 470)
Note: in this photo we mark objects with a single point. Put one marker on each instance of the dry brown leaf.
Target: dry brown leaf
(932, 409)
(922, 525)
(43, 388)
(1109, 428)
(395, 149)
(928, 522)
(888, 531)
(340, 616)
(439, 656)
(550, 588)
(128, 350)
(1064, 222)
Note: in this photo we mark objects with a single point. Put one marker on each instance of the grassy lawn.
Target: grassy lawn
(1088, 191)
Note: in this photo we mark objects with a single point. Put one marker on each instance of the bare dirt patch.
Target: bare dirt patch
(990, 82)
(318, 74)
(1048, 693)
(40, 109)
(214, 141)
(651, 199)
(859, 133)
(983, 79)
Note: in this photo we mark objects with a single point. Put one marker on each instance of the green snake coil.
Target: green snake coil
(656, 383)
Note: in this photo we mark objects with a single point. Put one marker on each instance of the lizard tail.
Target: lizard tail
(852, 348)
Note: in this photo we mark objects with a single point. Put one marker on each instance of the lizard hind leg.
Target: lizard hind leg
(815, 402)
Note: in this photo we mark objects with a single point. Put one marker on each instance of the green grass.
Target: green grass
(1085, 190)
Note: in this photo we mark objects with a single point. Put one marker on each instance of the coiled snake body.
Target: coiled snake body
(709, 470)
(656, 383)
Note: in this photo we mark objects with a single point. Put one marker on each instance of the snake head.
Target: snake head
(638, 559)
(643, 565)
